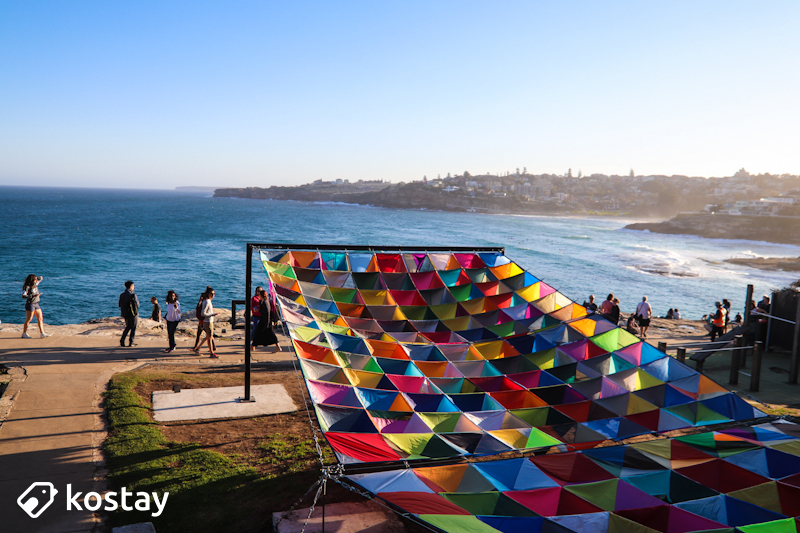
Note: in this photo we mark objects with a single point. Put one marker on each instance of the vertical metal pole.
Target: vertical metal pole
(247, 318)
(755, 374)
(747, 300)
(769, 323)
(738, 342)
(682, 355)
(324, 492)
(795, 344)
(662, 346)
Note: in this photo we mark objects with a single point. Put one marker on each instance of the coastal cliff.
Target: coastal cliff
(782, 230)
(401, 196)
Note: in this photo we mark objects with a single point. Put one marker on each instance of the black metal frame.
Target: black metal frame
(318, 247)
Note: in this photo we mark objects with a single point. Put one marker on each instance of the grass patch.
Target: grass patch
(291, 453)
(208, 491)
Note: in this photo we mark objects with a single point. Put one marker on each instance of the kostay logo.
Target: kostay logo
(41, 495)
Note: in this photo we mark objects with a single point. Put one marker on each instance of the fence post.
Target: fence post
(755, 374)
(662, 346)
(769, 322)
(747, 300)
(795, 344)
(738, 342)
(681, 355)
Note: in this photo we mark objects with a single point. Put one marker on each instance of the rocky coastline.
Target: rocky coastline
(780, 230)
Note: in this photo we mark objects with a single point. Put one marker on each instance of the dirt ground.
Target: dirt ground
(272, 444)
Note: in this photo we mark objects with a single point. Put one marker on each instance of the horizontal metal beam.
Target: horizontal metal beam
(361, 247)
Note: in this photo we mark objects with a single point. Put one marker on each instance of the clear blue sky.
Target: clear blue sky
(157, 95)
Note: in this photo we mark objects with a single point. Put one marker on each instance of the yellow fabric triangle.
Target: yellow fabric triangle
(512, 437)
(530, 293)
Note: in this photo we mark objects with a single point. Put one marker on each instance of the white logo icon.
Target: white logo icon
(37, 498)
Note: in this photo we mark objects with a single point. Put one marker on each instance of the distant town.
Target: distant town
(519, 192)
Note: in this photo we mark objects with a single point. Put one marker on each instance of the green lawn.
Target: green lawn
(208, 491)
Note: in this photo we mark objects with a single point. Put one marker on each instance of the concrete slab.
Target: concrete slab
(346, 517)
(220, 402)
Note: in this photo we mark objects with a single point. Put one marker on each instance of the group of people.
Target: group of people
(262, 333)
(264, 317)
(638, 322)
(720, 318)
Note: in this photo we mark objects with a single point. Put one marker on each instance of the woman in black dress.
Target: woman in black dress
(264, 335)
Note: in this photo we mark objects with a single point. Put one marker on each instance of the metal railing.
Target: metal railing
(234, 303)
(739, 353)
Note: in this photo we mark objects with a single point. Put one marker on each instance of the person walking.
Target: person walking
(198, 312)
(173, 317)
(129, 310)
(644, 312)
(264, 334)
(208, 322)
(255, 313)
(608, 303)
(718, 321)
(30, 291)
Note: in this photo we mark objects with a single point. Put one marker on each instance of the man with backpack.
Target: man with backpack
(129, 310)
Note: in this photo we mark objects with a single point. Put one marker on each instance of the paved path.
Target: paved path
(54, 429)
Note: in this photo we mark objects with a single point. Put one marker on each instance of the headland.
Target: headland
(776, 229)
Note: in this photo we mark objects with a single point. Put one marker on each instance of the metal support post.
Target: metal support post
(738, 342)
(769, 324)
(662, 346)
(324, 492)
(247, 323)
(747, 309)
(795, 345)
(681, 355)
(755, 375)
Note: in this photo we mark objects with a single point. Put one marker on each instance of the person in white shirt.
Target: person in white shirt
(644, 312)
(173, 317)
(208, 321)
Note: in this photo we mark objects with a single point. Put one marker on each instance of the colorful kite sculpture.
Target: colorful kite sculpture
(443, 356)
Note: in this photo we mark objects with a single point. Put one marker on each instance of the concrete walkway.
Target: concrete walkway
(54, 429)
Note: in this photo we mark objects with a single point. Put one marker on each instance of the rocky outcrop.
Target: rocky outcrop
(783, 230)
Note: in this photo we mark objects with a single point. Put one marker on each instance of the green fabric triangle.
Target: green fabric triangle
(503, 330)
(539, 439)
(441, 422)
(411, 443)
(535, 416)
(477, 503)
(704, 414)
(462, 292)
(452, 523)
(787, 525)
(347, 296)
(601, 493)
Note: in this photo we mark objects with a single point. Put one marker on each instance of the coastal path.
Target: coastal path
(51, 416)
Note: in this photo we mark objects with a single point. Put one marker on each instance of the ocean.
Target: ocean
(87, 242)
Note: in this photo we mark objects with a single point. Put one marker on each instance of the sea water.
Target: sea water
(88, 242)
